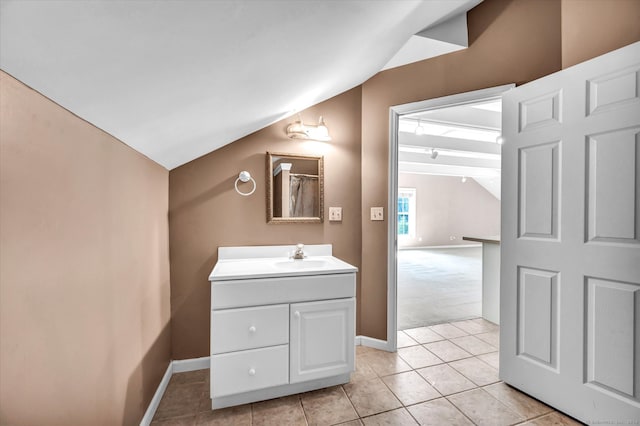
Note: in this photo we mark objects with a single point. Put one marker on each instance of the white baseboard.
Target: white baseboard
(373, 343)
(155, 401)
(176, 366)
(182, 365)
(439, 247)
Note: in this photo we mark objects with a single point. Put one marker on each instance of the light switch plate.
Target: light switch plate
(335, 214)
(377, 213)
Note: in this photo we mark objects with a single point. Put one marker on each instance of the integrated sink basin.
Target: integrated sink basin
(301, 264)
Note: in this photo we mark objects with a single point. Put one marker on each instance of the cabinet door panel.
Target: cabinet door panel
(322, 339)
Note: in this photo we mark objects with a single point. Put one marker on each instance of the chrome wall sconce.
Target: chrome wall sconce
(314, 132)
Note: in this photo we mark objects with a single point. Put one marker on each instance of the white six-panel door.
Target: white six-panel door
(570, 264)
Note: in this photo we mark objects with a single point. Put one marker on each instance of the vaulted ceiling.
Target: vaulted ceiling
(460, 141)
(178, 79)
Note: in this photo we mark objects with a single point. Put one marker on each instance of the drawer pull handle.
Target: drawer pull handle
(252, 329)
(252, 371)
(296, 314)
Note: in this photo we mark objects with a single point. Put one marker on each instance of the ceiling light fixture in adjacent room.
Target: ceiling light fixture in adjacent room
(464, 179)
(315, 132)
(419, 131)
(499, 140)
(434, 154)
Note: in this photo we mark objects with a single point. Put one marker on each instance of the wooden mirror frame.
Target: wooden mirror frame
(270, 193)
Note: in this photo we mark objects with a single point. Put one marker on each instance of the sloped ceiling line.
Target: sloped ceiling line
(178, 79)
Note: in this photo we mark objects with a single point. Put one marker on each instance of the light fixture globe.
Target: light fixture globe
(321, 132)
(299, 130)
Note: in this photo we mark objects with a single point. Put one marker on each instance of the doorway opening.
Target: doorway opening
(444, 185)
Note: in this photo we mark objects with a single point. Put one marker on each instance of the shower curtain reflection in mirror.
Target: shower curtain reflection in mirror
(303, 200)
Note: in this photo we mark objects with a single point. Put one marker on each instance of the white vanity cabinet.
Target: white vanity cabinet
(276, 333)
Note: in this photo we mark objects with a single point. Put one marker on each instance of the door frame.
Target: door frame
(395, 112)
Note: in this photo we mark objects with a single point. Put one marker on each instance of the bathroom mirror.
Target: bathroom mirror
(295, 188)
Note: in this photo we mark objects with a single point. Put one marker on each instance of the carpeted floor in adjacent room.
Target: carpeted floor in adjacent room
(439, 285)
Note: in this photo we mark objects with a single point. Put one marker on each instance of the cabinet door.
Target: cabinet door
(322, 341)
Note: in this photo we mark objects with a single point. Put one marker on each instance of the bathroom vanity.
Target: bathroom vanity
(279, 325)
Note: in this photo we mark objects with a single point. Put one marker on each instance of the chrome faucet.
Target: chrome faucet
(299, 253)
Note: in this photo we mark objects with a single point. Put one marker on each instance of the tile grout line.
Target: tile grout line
(304, 413)
(460, 411)
(500, 402)
(405, 407)
(350, 402)
(537, 417)
(466, 350)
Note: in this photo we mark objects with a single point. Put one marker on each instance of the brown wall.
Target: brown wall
(446, 207)
(510, 42)
(205, 212)
(593, 27)
(84, 276)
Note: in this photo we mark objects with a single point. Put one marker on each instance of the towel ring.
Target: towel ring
(245, 176)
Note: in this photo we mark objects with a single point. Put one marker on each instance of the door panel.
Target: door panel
(570, 258)
(612, 186)
(611, 356)
(610, 90)
(541, 111)
(537, 316)
(539, 185)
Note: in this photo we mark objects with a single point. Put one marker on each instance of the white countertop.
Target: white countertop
(242, 263)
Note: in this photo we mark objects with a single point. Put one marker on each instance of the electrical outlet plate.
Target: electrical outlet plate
(377, 213)
(335, 214)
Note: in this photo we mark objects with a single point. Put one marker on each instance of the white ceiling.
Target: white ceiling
(465, 138)
(178, 79)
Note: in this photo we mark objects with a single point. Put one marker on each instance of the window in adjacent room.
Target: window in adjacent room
(407, 212)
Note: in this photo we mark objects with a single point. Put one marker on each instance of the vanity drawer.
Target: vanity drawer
(244, 371)
(249, 328)
(267, 291)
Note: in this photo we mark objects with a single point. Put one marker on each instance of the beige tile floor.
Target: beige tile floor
(441, 375)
